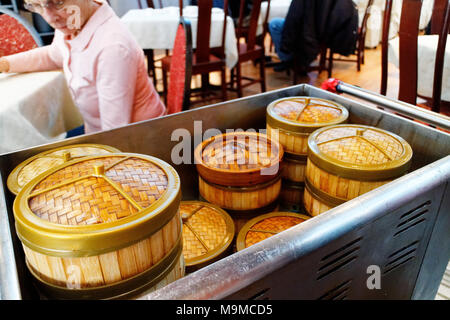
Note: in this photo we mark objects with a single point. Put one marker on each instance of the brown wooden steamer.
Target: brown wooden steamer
(34, 166)
(102, 227)
(265, 226)
(291, 195)
(207, 233)
(346, 161)
(239, 171)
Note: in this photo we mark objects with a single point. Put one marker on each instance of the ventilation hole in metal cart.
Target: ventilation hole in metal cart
(338, 293)
(400, 257)
(262, 295)
(338, 259)
(412, 218)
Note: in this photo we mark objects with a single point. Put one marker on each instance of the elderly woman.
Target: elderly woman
(104, 66)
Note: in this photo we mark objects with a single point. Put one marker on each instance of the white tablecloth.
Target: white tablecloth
(156, 29)
(278, 9)
(35, 108)
(427, 45)
(123, 6)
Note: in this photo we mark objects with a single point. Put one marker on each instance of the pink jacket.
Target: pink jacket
(105, 70)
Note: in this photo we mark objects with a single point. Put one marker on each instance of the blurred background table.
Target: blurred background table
(35, 108)
(156, 29)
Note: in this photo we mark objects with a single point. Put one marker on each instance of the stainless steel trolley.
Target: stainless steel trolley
(401, 229)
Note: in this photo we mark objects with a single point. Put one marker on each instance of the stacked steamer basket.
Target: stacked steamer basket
(102, 227)
(34, 166)
(207, 233)
(290, 121)
(265, 226)
(346, 161)
(239, 172)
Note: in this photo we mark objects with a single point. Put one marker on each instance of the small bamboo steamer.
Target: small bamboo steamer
(240, 170)
(265, 226)
(291, 120)
(346, 161)
(102, 226)
(34, 166)
(208, 232)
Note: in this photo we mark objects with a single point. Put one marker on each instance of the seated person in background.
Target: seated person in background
(276, 30)
(103, 65)
(312, 24)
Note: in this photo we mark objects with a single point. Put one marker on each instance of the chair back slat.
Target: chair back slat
(408, 33)
(384, 46)
(440, 56)
(253, 27)
(203, 49)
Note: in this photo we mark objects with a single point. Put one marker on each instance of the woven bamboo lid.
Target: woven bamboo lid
(34, 166)
(359, 152)
(265, 226)
(238, 159)
(96, 204)
(207, 232)
(304, 114)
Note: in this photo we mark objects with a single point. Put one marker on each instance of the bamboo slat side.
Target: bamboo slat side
(312, 205)
(293, 171)
(296, 144)
(337, 186)
(235, 200)
(106, 268)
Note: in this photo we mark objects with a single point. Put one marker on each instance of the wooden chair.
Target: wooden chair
(360, 45)
(249, 50)
(408, 50)
(204, 61)
(16, 34)
(178, 91)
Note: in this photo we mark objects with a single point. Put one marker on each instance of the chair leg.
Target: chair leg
(358, 59)
(224, 84)
(330, 64)
(239, 80)
(262, 74)
(164, 76)
(149, 53)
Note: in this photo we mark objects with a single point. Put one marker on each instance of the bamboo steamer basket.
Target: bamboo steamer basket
(346, 161)
(102, 227)
(291, 120)
(208, 232)
(265, 226)
(239, 171)
(32, 167)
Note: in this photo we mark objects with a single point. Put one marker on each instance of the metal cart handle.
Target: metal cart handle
(406, 109)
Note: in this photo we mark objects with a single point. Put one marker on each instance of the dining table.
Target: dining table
(156, 29)
(426, 57)
(35, 108)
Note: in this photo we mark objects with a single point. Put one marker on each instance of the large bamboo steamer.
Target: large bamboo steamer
(102, 227)
(39, 163)
(346, 161)
(239, 171)
(208, 232)
(266, 226)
